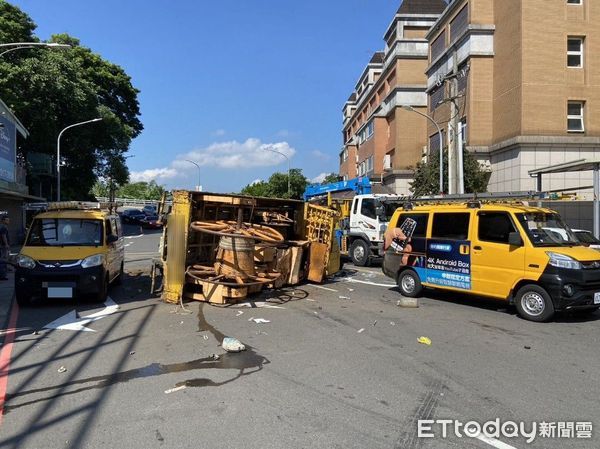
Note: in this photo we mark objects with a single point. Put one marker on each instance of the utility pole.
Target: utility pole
(455, 151)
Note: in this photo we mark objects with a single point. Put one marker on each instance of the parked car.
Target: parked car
(150, 210)
(587, 238)
(151, 222)
(133, 216)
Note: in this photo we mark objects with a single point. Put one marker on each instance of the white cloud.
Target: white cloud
(225, 155)
(154, 174)
(256, 181)
(234, 155)
(218, 133)
(320, 155)
(319, 178)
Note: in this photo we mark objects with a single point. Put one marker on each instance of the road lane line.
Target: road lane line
(5, 353)
(368, 283)
(493, 442)
(324, 288)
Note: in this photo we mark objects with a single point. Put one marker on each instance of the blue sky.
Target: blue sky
(222, 80)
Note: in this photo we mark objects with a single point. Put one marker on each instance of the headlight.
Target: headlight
(93, 261)
(562, 261)
(26, 262)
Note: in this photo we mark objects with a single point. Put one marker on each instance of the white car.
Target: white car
(585, 237)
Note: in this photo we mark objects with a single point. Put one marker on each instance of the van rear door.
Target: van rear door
(496, 265)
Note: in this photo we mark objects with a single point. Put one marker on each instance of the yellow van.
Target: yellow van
(525, 255)
(74, 249)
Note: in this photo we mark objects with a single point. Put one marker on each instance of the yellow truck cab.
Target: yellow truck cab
(73, 249)
(508, 251)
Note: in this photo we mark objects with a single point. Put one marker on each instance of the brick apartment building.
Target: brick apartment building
(381, 140)
(527, 75)
(528, 85)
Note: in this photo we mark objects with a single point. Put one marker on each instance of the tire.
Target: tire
(119, 279)
(534, 303)
(409, 283)
(22, 300)
(359, 253)
(103, 293)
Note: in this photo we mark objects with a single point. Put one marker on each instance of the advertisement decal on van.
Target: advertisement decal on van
(449, 264)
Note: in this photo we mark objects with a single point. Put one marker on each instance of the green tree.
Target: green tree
(51, 89)
(427, 176)
(260, 188)
(331, 177)
(141, 191)
(277, 186)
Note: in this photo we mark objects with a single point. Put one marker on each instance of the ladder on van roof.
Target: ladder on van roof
(83, 205)
(476, 199)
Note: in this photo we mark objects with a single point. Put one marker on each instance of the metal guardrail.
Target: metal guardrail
(133, 201)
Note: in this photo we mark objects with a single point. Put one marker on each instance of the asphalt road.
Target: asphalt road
(337, 366)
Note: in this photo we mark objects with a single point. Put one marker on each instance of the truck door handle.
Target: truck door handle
(478, 248)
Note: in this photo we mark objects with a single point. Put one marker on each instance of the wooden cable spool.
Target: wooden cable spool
(235, 258)
(244, 231)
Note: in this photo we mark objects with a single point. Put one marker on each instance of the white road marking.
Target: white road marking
(257, 304)
(71, 322)
(493, 442)
(324, 288)
(368, 282)
(133, 236)
(173, 390)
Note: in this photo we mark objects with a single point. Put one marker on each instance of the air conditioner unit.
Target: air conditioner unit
(387, 162)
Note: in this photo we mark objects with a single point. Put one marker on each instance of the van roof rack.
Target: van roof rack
(82, 205)
(475, 200)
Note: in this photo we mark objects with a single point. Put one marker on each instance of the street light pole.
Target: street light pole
(198, 167)
(288, 162)
(410, 108)
(21, 45)
(58, 152)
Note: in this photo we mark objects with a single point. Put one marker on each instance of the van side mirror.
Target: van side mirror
(514, 239)
(111, 238)
(380, 212)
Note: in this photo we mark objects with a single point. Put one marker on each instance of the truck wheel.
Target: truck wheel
(410, 284)
(534, 303)
(359, 253)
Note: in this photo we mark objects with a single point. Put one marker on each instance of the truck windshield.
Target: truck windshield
(546, 229)
(65, 232)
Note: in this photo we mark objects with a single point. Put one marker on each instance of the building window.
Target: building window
(366, 133)
(438, 46)
(436, 97)
(460, 23)
(575, 52)
(575, 117)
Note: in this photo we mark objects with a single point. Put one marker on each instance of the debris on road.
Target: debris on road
(131, 352)
(259, 320)
(527, 347)
(361, 330)
(215, 357)
(311, 300)
(344, 297)
(173, 390)
(392, 323)
(205, 337)
(375, 323)
(424, 341)
(350, 289)
(231, 344)
(62, 369)
(412, 303)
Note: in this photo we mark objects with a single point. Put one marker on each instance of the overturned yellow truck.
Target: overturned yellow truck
(221, 248)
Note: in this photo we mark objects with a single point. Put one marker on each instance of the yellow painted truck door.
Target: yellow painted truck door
(495, 265)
